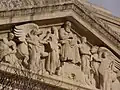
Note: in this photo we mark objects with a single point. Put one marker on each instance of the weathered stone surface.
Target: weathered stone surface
(67, 46)
(73, 72)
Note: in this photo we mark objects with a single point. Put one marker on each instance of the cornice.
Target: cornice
(36, 10)
(7, 5)
(11, 76)
(99, 25)
(28, 7)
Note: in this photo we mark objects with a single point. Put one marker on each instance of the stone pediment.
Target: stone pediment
(73, 9)
(57, 58)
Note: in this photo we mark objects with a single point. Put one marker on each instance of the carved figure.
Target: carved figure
(3, 50)
(9, 49)
(85, 58)
(95, 63)
(106, 68)
(34, 50)
(42, 42)
(65, 39)
(75, 50)
(53, 58)
(21, 32)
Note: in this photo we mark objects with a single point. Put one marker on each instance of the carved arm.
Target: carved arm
(30, 42)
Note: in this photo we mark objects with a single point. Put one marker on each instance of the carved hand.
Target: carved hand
(43, 42)
(62, 41)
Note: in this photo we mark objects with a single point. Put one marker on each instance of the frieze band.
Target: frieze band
(27, 47)
(83, 11)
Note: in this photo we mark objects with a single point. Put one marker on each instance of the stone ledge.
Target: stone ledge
(23, 4)
(57, 81)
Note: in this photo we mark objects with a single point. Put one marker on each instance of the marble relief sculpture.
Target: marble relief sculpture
(66, 36)
(107, 69)
(95, 63)
(75, 50)
(34, 50)
(21, 32)
(103, 67)
(58, 47)
(30, 47)
(85, 59)
(8, 50)
(53, 61)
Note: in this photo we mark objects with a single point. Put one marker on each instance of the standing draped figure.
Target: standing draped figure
(95, 63)
(106, 69)
(34, 50)
(66, 36)
(53, 61)
(85, 59)
(75, 50)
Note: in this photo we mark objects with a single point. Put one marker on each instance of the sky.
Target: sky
(111, 5)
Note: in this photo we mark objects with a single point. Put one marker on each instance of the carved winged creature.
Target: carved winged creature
(107, 68)
(21, 32)
(112, 57)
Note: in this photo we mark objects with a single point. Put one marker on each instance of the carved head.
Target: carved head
(68, 23)
(34, 31)
(10, 36)
(75, 36)
(83, 39)
(105, 54)
(94, 49)
(67, 26)
(34, 27)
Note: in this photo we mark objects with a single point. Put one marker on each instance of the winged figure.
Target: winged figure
(107, 68)
(21, 32)
(112, 57)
